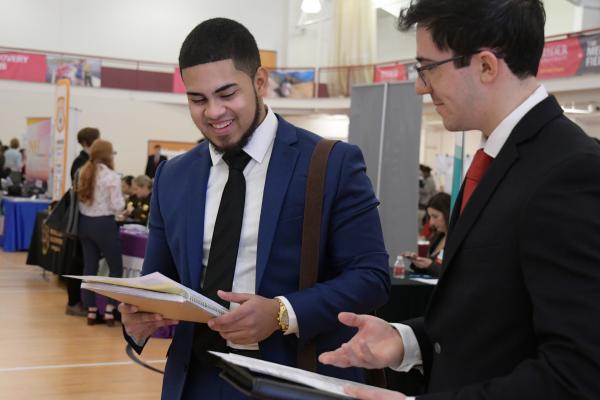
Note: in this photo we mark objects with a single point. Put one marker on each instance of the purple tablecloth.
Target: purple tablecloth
(133, 243)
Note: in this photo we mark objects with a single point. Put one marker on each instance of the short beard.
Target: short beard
(245, 137)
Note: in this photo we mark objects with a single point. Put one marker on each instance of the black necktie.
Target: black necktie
(228, 226)
(224, 247)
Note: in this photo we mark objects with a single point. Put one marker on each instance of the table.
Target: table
(19, 221)
(133, 249)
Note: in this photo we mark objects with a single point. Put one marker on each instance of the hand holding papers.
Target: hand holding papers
(155, 293)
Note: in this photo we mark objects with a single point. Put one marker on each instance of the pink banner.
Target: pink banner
(178, 86)
(389, 73)
(22, 66)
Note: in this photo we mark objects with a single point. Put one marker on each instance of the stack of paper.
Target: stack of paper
(324, 383)
(157, 294)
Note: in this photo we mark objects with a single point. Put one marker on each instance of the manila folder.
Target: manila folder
(170, 306)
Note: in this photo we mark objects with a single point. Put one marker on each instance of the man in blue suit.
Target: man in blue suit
(270, 317)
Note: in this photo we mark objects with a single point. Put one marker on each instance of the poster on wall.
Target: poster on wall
(60, 138)
(21, 66)
(38, 149)
(291, 83)
(78, 71)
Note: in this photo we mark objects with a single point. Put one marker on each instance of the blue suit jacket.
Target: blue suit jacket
(353, 271)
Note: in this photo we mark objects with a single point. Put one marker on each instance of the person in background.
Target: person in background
(100, 199)
(154, 160)
(426, 186)
(126, 187)
(138, 206)
(438, 211)
(74, 264)
(515, 313)
(86, 137)
(426, 190)
(13, 159)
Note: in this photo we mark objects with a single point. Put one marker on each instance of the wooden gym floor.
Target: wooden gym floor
(45, 354)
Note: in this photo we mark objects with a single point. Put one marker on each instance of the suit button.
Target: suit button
(437, 348)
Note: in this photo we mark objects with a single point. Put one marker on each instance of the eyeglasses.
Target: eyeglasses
(423, 69)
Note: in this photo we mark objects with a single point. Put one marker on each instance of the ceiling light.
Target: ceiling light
(311, 6)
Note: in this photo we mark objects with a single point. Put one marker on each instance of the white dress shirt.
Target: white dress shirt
(259, 148)
(491, 146)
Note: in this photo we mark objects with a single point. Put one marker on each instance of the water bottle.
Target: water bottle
(399, 270)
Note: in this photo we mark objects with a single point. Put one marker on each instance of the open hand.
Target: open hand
(253, 321)
(376, 345)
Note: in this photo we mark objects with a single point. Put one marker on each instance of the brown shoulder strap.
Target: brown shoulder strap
(311, 235)
(313, 209)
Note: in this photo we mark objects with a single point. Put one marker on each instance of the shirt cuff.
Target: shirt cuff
(292, 319)
(412, 352)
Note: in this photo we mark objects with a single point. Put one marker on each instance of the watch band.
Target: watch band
(282, 317)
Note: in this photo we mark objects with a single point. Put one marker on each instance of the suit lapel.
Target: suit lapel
(461, 224)
(281, 167)
(194, 217)
(529, 126)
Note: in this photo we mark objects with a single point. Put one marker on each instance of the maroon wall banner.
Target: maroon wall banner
(570, 57)
(23, 66)
(560, 58)
(178, 86)
(388, 73)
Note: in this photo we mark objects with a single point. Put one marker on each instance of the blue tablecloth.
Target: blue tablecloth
(19, 220)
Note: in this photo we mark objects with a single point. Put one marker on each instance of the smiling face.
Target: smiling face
(454, 91)
(225, 103)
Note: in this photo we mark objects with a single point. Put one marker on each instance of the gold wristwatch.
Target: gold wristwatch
(282, 317)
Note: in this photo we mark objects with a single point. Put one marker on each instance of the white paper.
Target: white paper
(429, 281)
(317, 381)
(156, 282)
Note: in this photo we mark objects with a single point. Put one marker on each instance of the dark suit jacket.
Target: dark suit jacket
(151, 167)
(516, 313)
(78, 162)
(353, 272)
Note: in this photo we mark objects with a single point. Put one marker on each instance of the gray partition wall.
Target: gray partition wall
(385, 122)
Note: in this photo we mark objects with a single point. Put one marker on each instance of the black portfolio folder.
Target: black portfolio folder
(264, 387)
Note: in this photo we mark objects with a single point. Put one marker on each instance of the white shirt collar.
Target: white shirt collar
(259, 143)
(500, 135)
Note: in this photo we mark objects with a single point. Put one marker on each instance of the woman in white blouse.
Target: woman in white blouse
(100, 198)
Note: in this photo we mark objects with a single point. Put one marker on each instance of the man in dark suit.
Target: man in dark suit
(270, 317)
(85, 137)
(515, 313)
(153, 161)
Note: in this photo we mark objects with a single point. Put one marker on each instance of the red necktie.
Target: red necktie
(476, 171)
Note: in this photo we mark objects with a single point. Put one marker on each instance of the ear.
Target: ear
(261, 81)
(488, 66)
